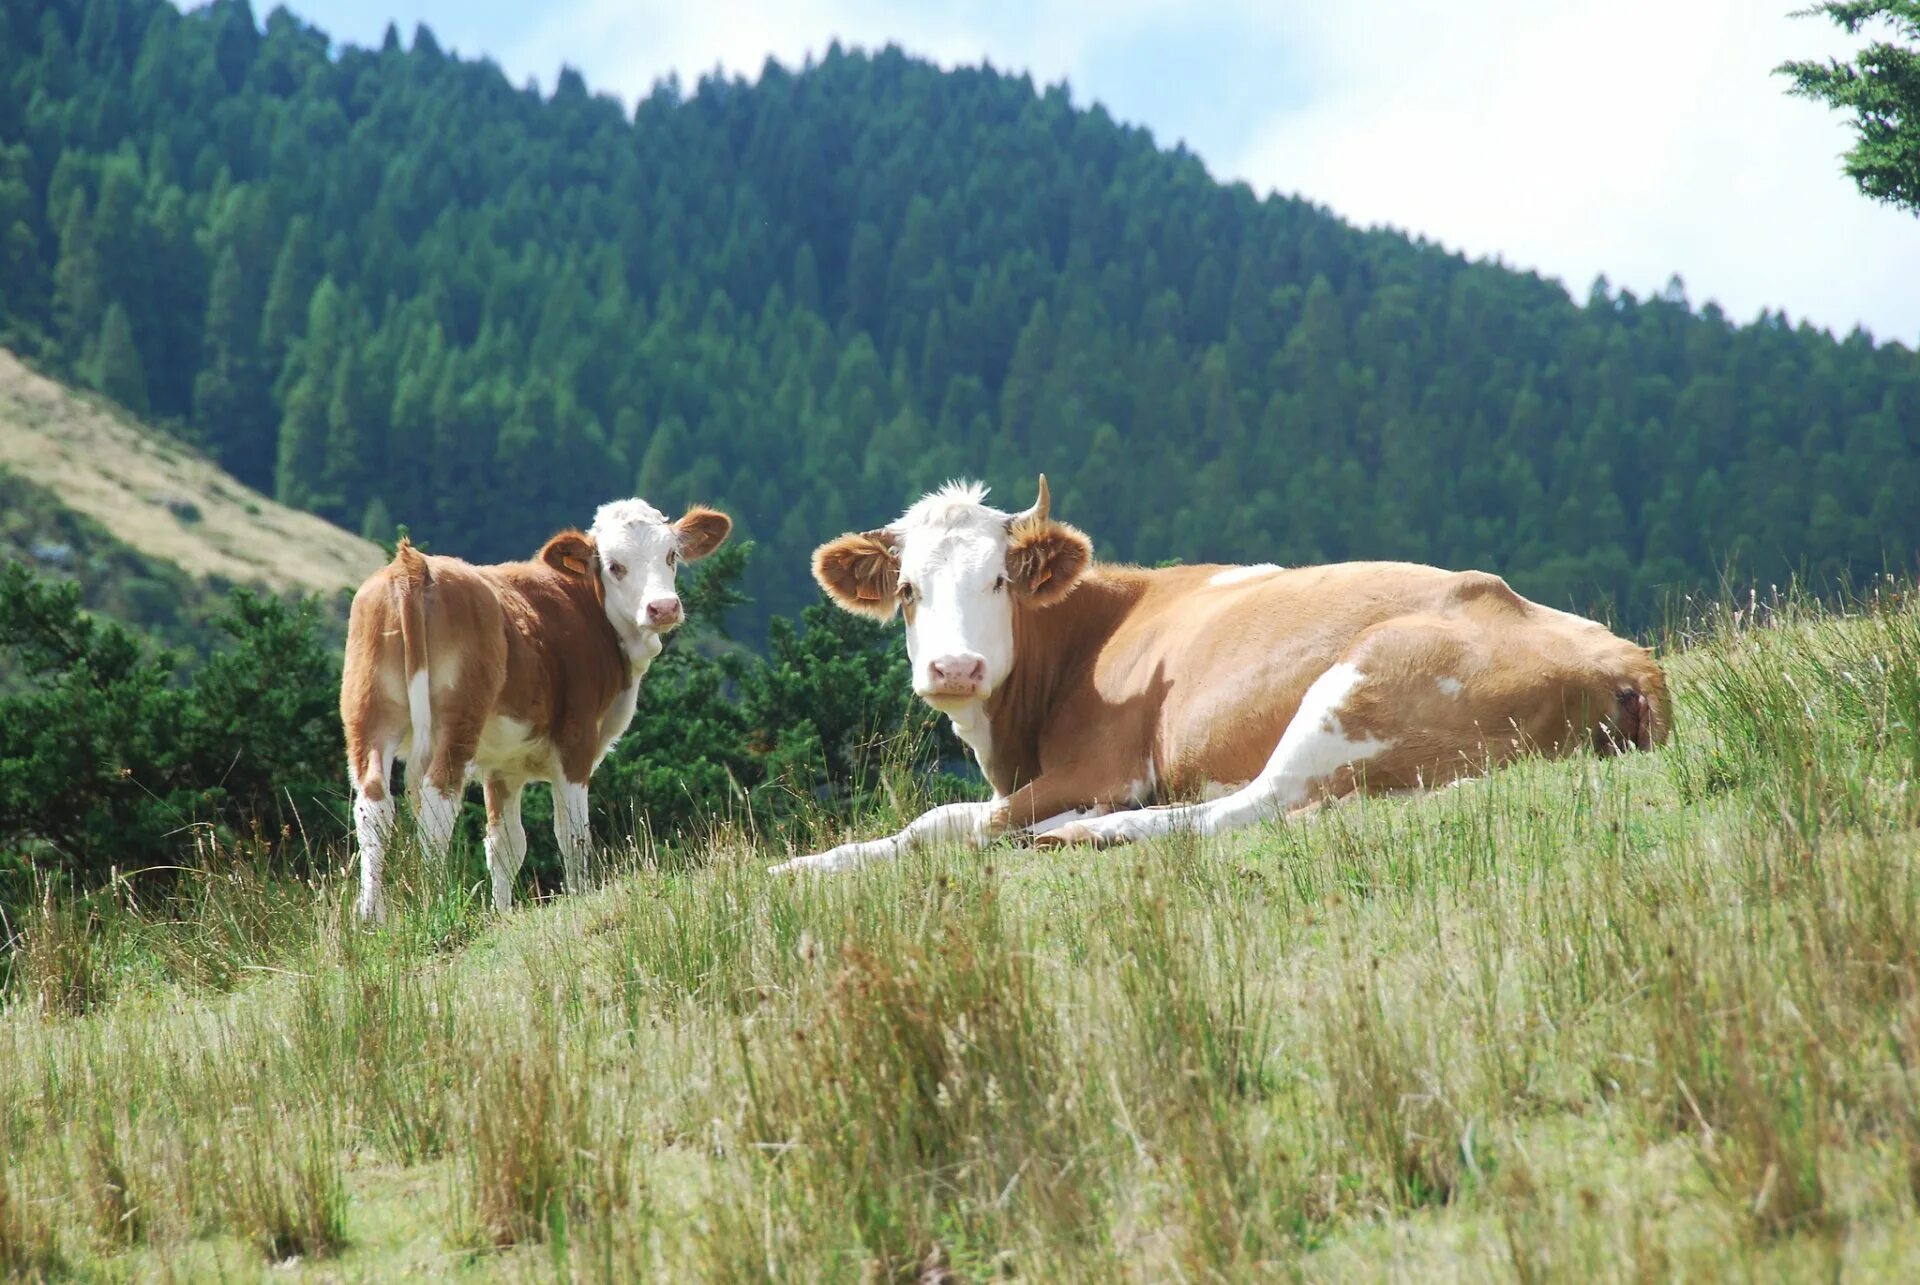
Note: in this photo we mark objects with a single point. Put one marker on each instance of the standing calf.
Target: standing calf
(526, 671)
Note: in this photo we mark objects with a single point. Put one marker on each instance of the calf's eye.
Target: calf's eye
(673, 559)
(619, 570)
(999, 583)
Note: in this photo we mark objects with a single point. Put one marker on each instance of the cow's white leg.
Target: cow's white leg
(570, 828)
(506, 840)
(953, 822)
(435, 810)
(1039, 828)
(373, 816)
(1314, 747)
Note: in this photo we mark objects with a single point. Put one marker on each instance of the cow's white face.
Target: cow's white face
(636, 554)
(957, 569)
(953, 591)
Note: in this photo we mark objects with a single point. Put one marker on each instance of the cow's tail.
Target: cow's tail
(412, 588)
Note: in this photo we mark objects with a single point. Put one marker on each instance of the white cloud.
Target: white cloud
(1638, 138)
(1635, 138)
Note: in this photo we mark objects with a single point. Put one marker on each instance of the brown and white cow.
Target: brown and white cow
(1088, 691)
(526, 671)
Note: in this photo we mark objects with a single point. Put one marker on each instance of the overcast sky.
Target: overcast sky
(1635, 138)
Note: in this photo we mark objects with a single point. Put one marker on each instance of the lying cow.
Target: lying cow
(1088, 691)
(526, 671)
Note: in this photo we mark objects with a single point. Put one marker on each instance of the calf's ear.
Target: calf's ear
(702, 530)
(571, 553)
(1045, 559)
(861, 573)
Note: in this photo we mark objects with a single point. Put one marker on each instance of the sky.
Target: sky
(1638, 139)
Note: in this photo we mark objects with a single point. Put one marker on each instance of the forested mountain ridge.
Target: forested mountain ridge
(388, 286)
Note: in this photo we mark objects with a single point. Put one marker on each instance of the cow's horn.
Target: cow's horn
(1038, 513)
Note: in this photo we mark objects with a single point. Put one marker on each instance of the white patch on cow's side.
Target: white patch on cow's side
(1314, 747)
(570, 828)
(955, 822)
(506, 849)
(420, 711)
(1234, 575)
(1141, 792)
(1449, 686)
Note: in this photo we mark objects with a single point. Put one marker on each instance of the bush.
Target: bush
(107, 760)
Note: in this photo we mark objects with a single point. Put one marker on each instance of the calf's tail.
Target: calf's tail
(412, 588)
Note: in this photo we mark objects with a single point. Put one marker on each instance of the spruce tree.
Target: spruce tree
(118, 371)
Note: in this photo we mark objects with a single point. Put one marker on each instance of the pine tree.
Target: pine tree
(118, 372)
(229, 394)
(1881, 87)
(79, 297)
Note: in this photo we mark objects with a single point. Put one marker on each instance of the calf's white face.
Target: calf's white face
(957, 569)
(635, 553)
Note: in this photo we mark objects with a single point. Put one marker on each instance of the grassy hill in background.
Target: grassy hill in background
(152, 531)
(1648, 1017)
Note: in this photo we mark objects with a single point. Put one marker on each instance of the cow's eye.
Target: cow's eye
(999, 583)
(906, 592)
(673, 558)
(619, 570)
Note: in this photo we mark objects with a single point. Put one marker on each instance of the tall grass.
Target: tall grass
(1655, 1016)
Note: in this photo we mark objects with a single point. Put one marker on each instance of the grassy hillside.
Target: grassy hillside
(1650, 1016)
(134, 504)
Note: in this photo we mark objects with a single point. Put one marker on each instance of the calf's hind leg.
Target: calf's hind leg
(373, 819)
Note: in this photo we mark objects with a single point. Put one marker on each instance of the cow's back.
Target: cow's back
(1234, 651)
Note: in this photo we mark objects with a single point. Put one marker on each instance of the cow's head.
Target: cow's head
(958, 570)
(631, 555)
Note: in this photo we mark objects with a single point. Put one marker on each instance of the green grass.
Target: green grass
(1648, 1017)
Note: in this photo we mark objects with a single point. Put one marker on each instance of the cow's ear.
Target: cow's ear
(861, 572)
(1045, 559)
(702, 530)
(571, 553)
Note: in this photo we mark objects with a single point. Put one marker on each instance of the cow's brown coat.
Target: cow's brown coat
(1124, 675)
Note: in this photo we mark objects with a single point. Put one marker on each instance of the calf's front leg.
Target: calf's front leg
(506, 839)
(570, 828)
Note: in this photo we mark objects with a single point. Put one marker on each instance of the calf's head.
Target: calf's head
(958, 570)
(631, 555)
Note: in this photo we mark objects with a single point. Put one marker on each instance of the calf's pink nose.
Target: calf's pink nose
(958, 673)
(663, 611)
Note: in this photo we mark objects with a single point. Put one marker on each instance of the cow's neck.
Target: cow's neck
(640, 648)
(635, 647)
(1054, 649)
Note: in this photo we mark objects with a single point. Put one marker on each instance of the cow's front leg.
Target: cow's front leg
(967, 823)
(570, 828)
(506, 839)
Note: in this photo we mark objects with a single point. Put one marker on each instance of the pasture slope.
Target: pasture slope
(1648, 1017)
(162, 497)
